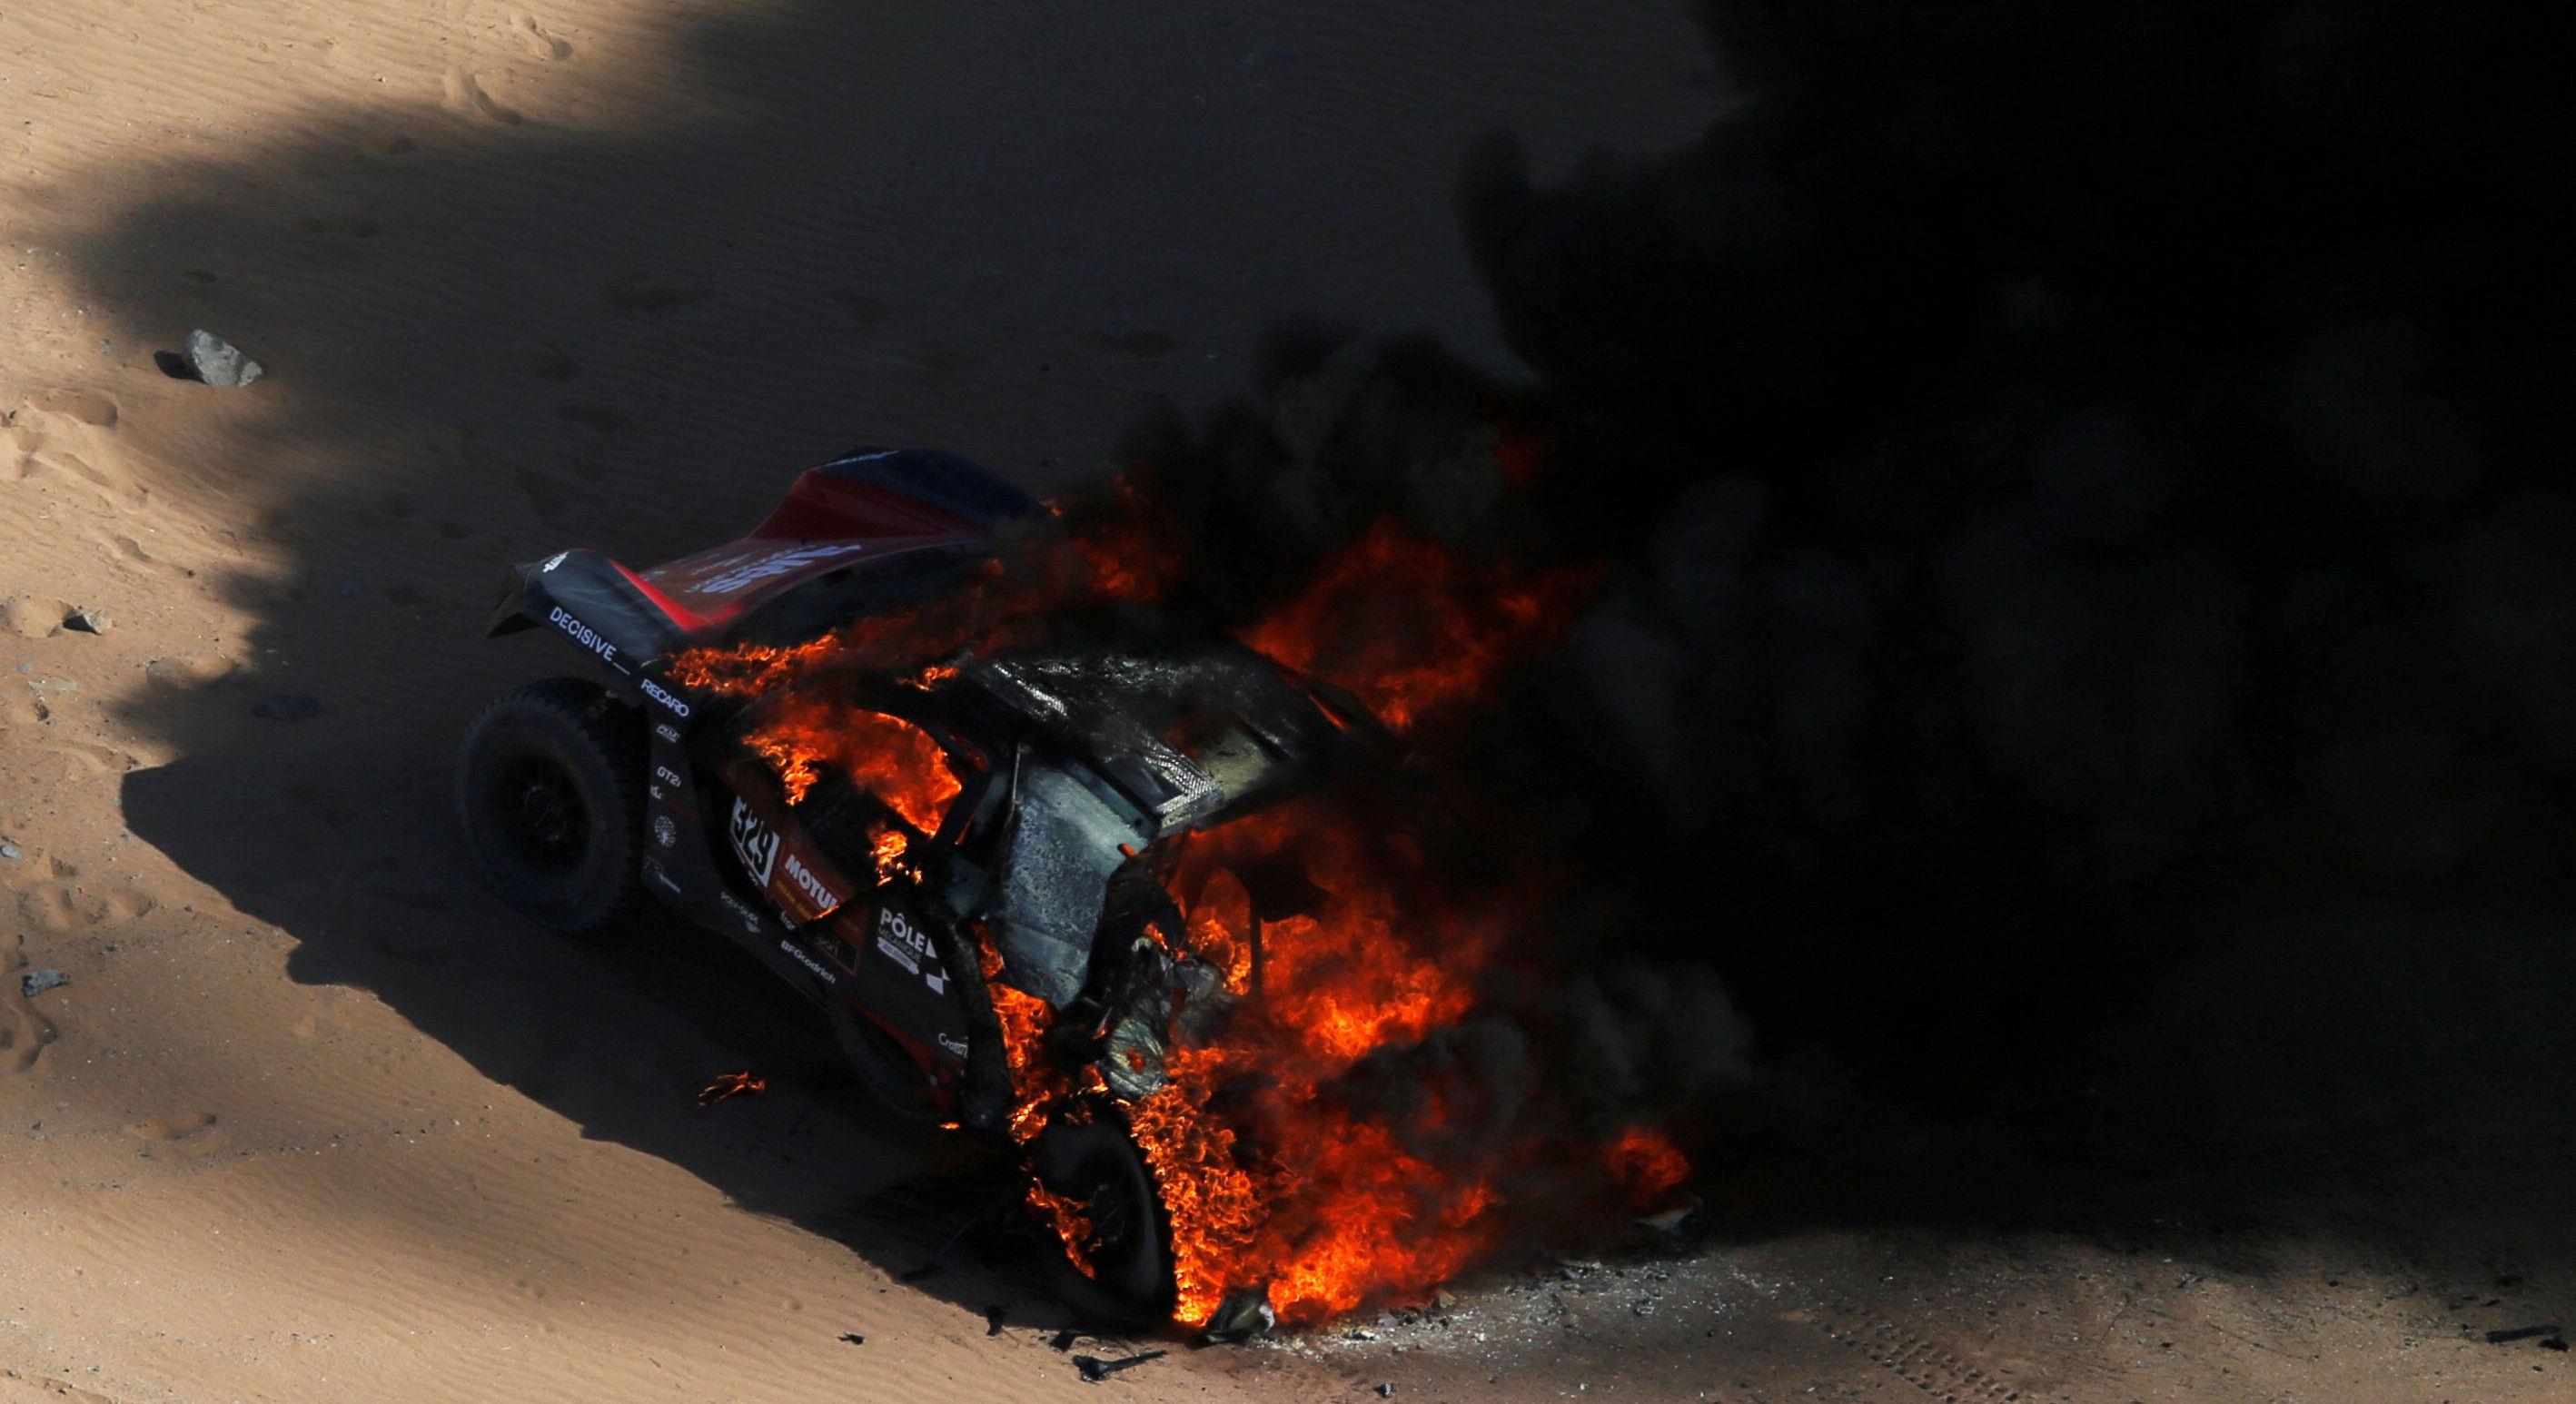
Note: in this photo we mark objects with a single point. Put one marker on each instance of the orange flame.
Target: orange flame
(1289, 1189)
(889, 847)
(887, 756)
(732, 1084)
(1270, 1176)
(1330, 1209)
(1070, 1219)
(1410, 627)
(1645, 1163)
(1124, 539)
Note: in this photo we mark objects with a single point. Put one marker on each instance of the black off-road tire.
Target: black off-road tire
(883, 1068)
(1097, 1163)
(550, 789)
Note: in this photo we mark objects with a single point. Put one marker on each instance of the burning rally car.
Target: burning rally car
(955, 834)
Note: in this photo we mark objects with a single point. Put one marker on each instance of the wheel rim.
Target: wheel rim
(1124, 1227)
(544, 823)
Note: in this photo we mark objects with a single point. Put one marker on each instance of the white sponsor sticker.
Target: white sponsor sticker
(655, 691)
(808, 961)
(754, 842)
(815, 890)
(753, 567)
(583, 634)
(908, 945)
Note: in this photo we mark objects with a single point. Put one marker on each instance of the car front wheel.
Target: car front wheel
(551, 792)
(1118, 1267)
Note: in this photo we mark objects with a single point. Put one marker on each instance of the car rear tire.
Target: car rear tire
(551, 792)
(1096, 1163)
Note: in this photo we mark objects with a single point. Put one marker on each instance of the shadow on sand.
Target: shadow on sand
(490, 336)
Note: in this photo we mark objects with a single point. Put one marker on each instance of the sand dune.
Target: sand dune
(315, 1119)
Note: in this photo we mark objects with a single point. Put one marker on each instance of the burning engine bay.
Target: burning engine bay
(1183, 910)
(1075, 779)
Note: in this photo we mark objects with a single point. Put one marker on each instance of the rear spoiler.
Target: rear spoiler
(603, 609)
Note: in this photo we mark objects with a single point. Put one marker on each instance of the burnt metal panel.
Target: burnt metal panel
(1057, 856)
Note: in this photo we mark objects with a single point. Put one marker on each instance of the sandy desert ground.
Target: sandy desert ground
(315, 1119)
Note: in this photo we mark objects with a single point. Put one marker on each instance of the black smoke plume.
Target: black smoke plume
(2071, 474)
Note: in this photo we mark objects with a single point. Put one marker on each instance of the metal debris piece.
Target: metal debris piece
(1059, 848)
(1244, 1314)
(854, 1338)
(2520, 1333)
(732, 1084)
(1094, 1369)
(993, 1321)
(1675, 1222)
(1063, 1340)
(1386, 1391)
(39, 981)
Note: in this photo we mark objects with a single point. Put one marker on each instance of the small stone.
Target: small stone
(10, 852)
(288, 706)
(39, 981)
(218, 362)
(1385, 1391)
(88, 621)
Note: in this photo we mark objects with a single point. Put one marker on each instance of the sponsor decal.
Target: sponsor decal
(665, 832)
(953, 1045)
(750, 920)
(656, 875)
(834, 949)
(551, 562)
(583, 634)
(665, 730)
(754, 842)
(659, 694)
(667, 776)
(909, 946)
(814, 888)
(807, 961)
(750, 570)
